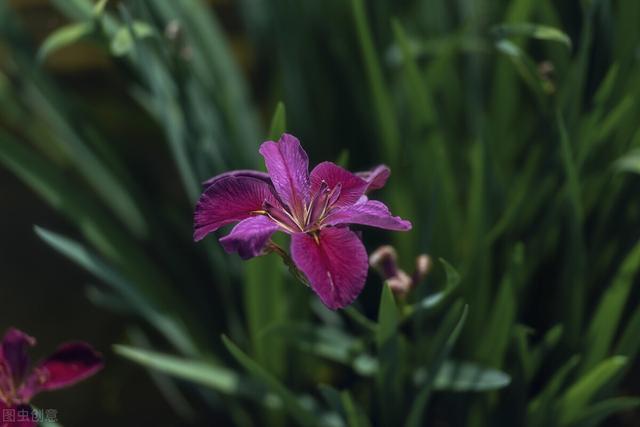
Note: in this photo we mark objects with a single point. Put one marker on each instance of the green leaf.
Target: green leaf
(536, 31)
(389, 353)
(419, 94)
(387, 316)
(324, 341)
(606, 87)
(526, 67)
(214, 66)
(299, 413)
(343, 158)
(59, 192)
(598, 412)
(449, 331)
(332, 397)
(629, 344)
(123, 41)
(278, 122)
(605, 324)
(264, 294)
(577, 397)
(360, 319)
(549, 342)
(47, 103)
(466, 376)
(174, 330)
(630, 162)
(433, 300)
(498, 328)
(355, 417)
(166, 384)
(540, 409)
(98, 9)
(63, 37)
(381, 99)
(218, 378)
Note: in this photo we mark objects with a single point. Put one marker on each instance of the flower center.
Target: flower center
(313, 213)
(320, 206)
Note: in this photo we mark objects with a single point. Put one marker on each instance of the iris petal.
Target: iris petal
(71, 363)
(376, 178)
(249, 236)
(263, 176)
(288, 167)
(352, 186)
(335, 263)
(367, 212)
(230, 199)
(13, 351)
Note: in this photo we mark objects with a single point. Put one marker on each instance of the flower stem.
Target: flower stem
(288, 261)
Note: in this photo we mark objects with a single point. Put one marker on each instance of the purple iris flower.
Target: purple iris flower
(314, 208)
(72, 362)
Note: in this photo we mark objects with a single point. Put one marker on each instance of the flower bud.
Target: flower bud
(400, 284)
(384, 259)
(423, 265)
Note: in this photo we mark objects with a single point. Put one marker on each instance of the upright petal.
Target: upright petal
(71, 363)
(13, 351)
(376, 177)
(367, 212)
(263, 176)
(230, 199)
(288, 167)
(352, 186)
(335, 264)
(249, 236)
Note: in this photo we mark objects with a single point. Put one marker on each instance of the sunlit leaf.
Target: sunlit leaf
(577, 397)
(630, 162)
(466, 376)
(387, 316)
(605, 321)
(598, 412)
(433, 300)
(64, 37)
(123, 41)
(219, 378)
(536, 31)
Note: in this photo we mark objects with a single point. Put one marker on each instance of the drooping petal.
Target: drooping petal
(335, 264)
(263, 176)
(367, 212)
(16, 416)
(249, 236)
(13, 351)
(376, 177)
(352, 186)
(288, 167)
(71, 363)
(229, 199)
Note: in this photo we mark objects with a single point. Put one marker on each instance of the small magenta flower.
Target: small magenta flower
(72, 362)
(314, 208)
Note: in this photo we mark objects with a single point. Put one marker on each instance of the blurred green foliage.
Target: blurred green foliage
(512, 132)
